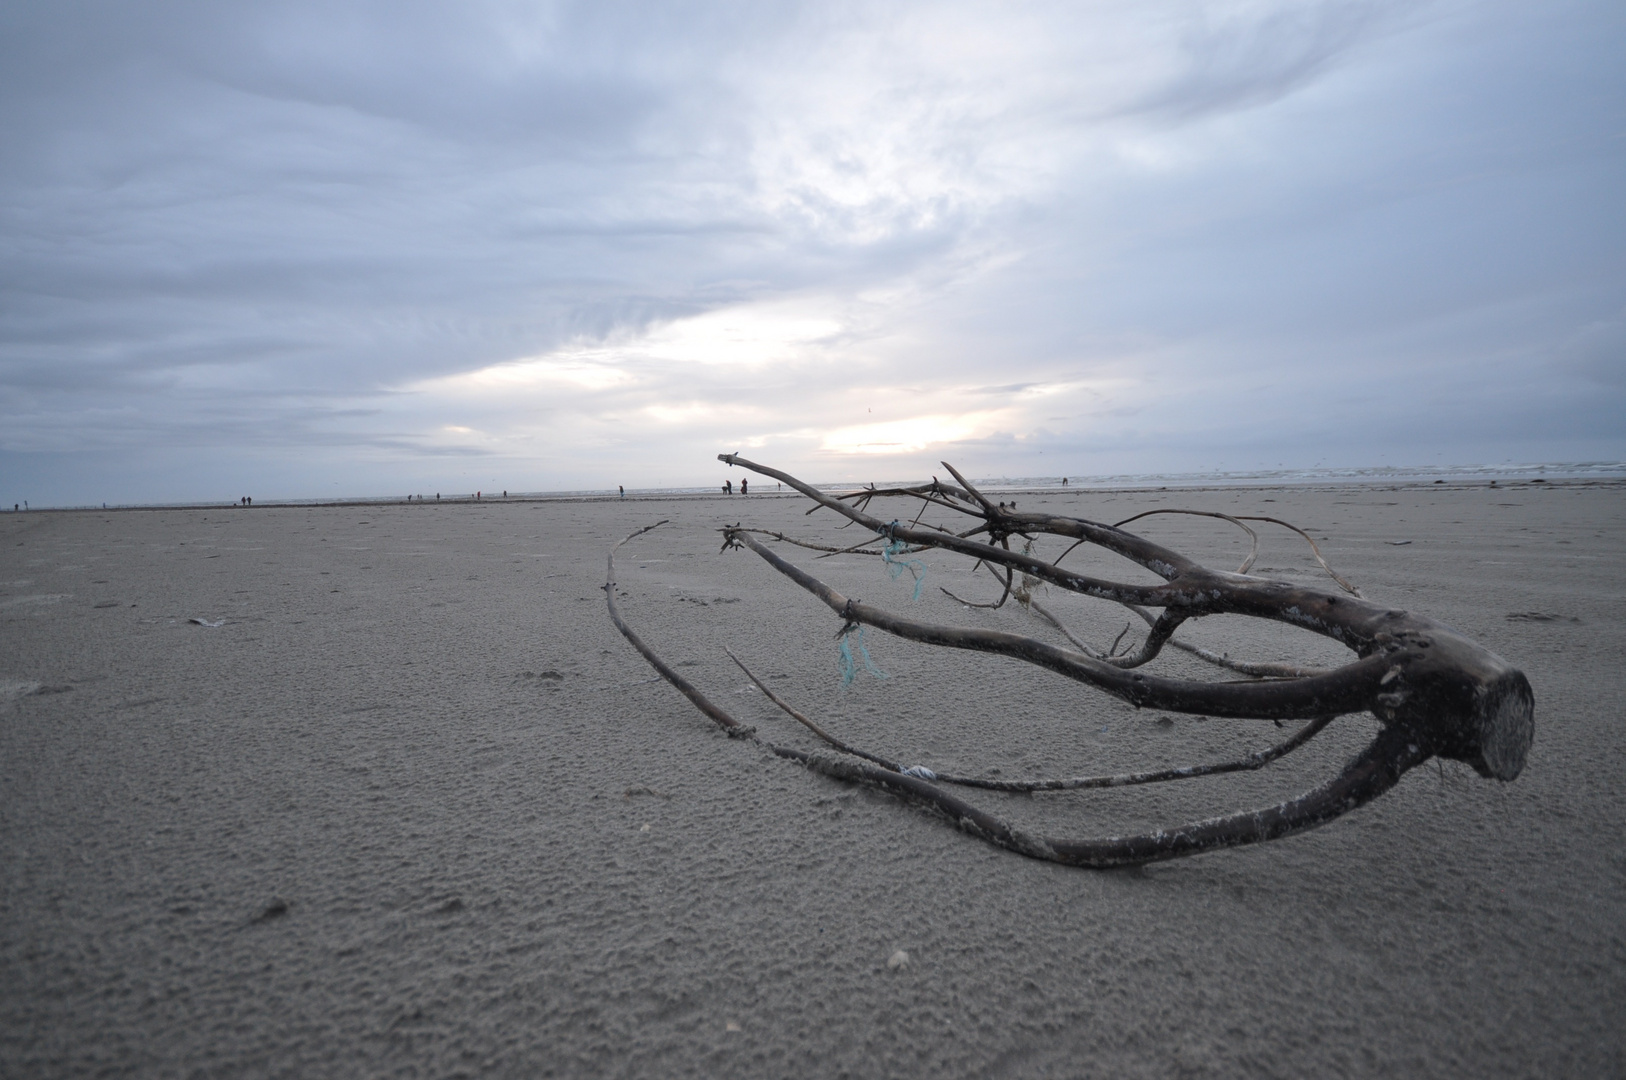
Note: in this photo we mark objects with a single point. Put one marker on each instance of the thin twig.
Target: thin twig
(1256, 760)
(802, 719)
(1088, 649)
(1160, 560)
(993, 606)
(701, 702)
(1261, 668)
(1335, 575)
(1247, 564)
(975, 494)
(812, 546)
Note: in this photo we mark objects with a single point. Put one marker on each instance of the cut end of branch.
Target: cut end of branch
(1505, 727)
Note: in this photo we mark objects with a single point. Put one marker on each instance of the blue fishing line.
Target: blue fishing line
(896, 566)
(849, 666)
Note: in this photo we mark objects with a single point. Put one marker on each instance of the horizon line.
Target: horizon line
(1476, 475)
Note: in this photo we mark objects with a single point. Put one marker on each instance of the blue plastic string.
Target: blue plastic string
(849, 666)
(896, 566)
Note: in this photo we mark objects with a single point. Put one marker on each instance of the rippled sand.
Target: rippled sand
(379, 791)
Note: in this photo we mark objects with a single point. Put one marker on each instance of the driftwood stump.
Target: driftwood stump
(1434, 692)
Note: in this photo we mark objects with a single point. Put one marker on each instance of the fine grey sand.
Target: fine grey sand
(413, 808)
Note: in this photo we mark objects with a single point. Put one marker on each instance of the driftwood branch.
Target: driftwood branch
(1434, 692)
(1258, 668)
(1247, 564)
(1257, 760)
(701, 702)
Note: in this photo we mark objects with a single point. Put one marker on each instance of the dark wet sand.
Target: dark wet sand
(415, 809)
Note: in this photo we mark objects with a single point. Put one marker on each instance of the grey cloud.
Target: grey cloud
(1247, 57)
(1597, 352)
(245, 228)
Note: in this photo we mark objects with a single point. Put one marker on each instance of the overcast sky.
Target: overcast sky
(325, 248)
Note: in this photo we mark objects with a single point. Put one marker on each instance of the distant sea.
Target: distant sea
(1377, 474)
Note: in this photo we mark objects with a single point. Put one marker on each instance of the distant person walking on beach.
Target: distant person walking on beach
(728, 487)
(744, 480)
(623, 490)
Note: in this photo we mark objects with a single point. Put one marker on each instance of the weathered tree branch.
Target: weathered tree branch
(1434, 692)
(1261, 669)
(1256, 760)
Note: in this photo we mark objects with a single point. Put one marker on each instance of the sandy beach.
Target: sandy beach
(403, 803)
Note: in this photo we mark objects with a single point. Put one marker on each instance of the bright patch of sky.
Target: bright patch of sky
(298, 248)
